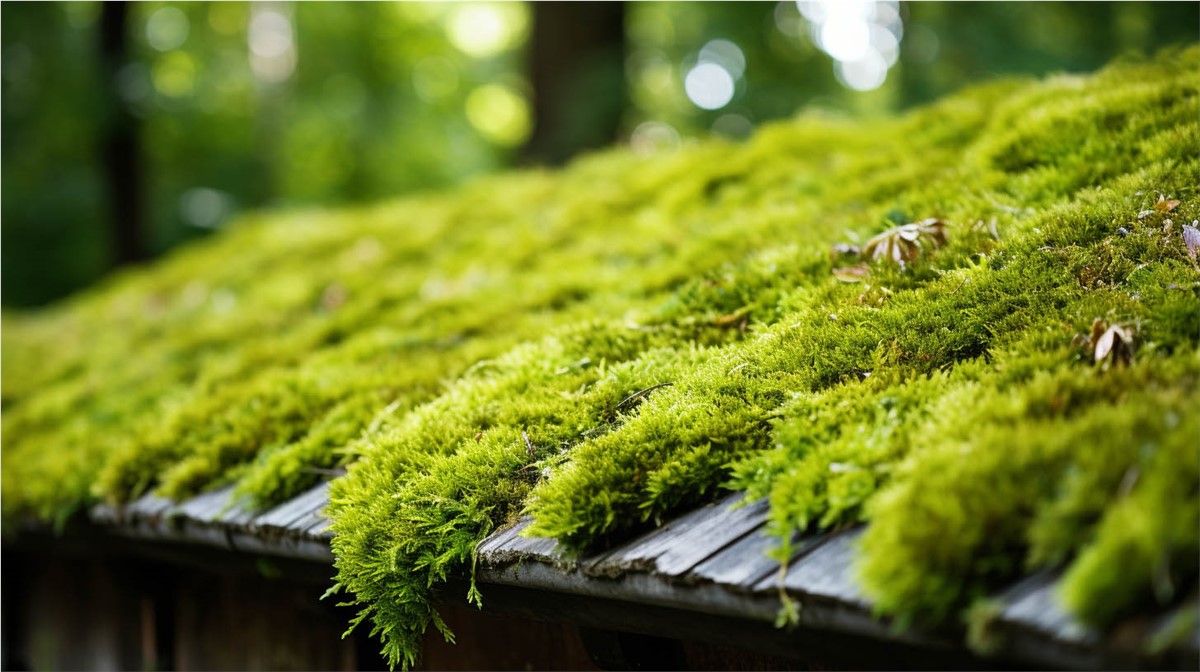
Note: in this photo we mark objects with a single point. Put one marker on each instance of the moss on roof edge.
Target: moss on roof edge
(605, 345)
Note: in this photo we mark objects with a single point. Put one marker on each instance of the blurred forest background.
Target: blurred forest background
(129, 129)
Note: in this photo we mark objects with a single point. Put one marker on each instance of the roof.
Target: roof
(971, 328)
(709, 562)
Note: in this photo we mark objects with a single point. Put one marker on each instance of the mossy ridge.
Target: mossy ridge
(964, 314)
(281, 301)
(487, 294)
(722, 288)
(649, 465)
(455, 467)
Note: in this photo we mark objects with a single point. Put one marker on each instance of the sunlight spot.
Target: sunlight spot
(725, 54)
(813, 10)
(486, 30)
(174, 74)
(862, 36)
(788, 20)
(270, 33)
(864, 74)
(500, 114)
(167, 29)
(884, 42)
(887, 15)
(272, 47)
(656, 75)
(845, 38)
(652, 137)
(205, 208)
(709, 86)
(226, 18)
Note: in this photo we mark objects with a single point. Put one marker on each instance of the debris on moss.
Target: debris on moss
(998, 372)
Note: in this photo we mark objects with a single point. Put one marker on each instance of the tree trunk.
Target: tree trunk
(122, 160)
(577, 64)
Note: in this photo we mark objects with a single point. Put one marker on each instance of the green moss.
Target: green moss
(603, 346)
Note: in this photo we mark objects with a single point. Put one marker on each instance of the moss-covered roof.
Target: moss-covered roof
(1010, 386)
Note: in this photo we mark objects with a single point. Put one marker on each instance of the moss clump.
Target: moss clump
(603, 346)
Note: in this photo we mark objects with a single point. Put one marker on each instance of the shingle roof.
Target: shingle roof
(1011, 385)
(709, 561)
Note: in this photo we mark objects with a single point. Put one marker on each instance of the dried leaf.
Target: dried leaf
(1164, 206)
(1191, 238)
(334, 296)
(1104, 344)
(1114, 344)
(855, 273)
(904, 243)
(1098, 327)
(733, 318)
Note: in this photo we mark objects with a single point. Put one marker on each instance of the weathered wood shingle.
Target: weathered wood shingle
(712, 560)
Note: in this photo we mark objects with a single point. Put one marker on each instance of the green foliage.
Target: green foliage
(382, 114)
(944, 47)
(604, 346)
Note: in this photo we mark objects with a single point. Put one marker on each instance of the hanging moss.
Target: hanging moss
(603, 346)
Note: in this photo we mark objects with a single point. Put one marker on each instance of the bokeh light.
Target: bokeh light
(246, 105)
(862, 36)
(272, 46)
(845, 37)
(725, 54)
(205, 208)
(501, 114)
(653, 137)
(167, 29)
(174, 75)
(863, 74)
(484, 30)
(227, 18)
(712, 82)
(709, 85)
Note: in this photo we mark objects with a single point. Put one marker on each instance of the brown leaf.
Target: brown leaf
(731, 318)
(334, 296)
(1098, 327)
(855, 273)
(1164, 206)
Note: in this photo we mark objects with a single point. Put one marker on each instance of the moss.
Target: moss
(603, 346)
